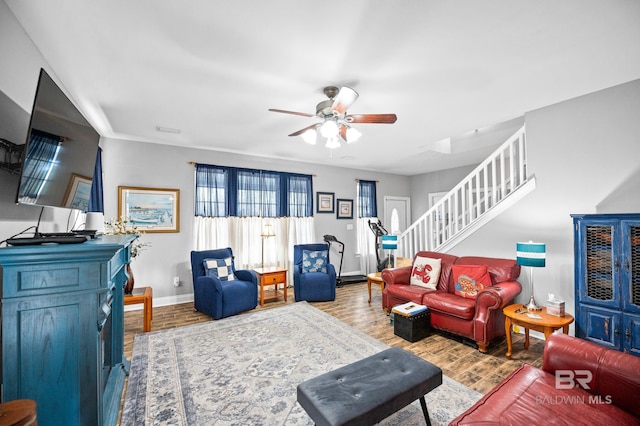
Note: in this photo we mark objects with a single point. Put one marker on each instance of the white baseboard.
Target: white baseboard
(532, 333)
(163, 301)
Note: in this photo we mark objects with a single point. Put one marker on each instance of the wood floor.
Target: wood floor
(457, 360)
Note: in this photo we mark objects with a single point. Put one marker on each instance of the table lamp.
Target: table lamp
(532, 255)
(390, 242)
(267, 232)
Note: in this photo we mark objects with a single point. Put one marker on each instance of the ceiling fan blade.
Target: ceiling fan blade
(301, 131)
(371, 118)
(302, 114)
(343, 132)
(344, 99)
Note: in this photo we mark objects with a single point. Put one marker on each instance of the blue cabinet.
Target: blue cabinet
(607, 279)
(63, 329)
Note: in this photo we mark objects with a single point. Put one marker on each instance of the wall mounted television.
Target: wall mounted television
(60, 152)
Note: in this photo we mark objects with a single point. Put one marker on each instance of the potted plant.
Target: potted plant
(127, 227)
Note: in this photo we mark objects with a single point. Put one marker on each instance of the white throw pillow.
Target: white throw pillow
(425, 272)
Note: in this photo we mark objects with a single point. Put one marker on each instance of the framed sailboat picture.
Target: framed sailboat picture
(150, 209)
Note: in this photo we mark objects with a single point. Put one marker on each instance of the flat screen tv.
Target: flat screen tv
(60, 152)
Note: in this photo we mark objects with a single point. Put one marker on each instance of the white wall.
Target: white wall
(18, 80)
(129, 163)
(442, 181)
(584, 153)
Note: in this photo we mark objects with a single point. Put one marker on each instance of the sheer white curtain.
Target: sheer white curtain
(367, 208)
(242, 234)
(366, 246)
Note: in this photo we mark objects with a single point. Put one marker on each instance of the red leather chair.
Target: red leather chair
(532, 396)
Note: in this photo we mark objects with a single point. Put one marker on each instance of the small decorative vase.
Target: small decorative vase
(128, 287)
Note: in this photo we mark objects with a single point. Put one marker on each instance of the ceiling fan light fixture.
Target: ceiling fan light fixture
(329, 129)
(310, 136)
(335, 123)
(345, 98)
(332, 143)
(353, 134)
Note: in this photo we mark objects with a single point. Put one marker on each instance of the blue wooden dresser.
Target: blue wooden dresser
(63, 329)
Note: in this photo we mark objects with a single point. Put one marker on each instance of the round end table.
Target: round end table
(376, 278)
(517, 314)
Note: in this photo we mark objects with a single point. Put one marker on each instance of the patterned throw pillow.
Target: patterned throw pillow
(470, 279)
(425, 272)
(314, 261)
(220, 268)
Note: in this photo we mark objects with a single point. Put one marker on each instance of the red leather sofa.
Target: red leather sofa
(480, 319)
(532, 396)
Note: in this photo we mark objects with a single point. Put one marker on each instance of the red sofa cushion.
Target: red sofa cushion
(411, 293)
(450, 304)
(528, 396)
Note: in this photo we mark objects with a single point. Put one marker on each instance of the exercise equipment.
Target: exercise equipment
(349, 279)
(378, 230)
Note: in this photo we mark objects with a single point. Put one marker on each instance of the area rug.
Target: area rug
(244, 370)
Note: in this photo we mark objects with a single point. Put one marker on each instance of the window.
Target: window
(230, 191)
(249, 194)
(367, 203)
(395, 222)
(300, 196)
(366, 240)
(270, 194)
(211, 191)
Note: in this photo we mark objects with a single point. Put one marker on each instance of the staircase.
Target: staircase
(492, 187)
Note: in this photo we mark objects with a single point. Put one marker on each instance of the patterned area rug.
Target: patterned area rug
(244, 370)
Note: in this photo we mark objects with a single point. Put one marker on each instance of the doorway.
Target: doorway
(397, 214)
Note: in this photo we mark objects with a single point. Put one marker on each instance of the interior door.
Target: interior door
(397, 214)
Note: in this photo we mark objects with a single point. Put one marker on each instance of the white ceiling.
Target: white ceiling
(212, 68)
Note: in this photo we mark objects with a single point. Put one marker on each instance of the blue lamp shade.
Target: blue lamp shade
(389, 242)
(530, 254)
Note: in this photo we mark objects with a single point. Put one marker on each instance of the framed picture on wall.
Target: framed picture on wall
(325, 202)
(78, 192)
(150, 209)
(345, 209)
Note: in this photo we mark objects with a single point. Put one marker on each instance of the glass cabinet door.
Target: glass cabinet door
(631, 265)
(600, 264)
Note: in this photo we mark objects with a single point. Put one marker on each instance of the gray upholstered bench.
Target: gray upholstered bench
(369, 390)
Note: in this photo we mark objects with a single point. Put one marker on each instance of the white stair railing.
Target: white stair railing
(497, 177)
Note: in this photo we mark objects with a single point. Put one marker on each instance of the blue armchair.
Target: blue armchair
(218, 289)
(315, 281)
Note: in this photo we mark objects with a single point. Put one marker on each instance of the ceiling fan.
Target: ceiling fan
(336, 123)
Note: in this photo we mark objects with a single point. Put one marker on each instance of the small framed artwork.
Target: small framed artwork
(150, 209)
(325, 202)
(345, 209)
(78, 192)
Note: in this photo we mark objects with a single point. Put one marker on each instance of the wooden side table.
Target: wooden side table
(271, 276)
(403, 261)
(547, 324)
(375, 278)
(142, 295)
(19, 412)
